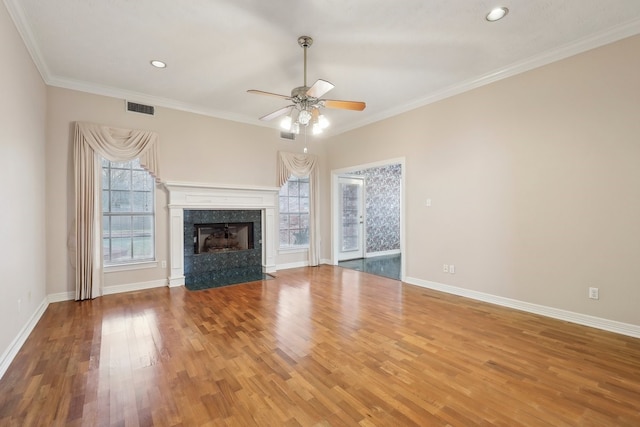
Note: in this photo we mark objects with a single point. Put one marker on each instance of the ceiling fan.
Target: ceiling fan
(307, 101)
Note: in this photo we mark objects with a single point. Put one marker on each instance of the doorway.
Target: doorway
(382, 231)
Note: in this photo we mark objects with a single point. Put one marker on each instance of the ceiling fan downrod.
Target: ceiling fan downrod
(305, 42)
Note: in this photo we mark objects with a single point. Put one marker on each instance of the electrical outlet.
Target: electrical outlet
(445, 268)
(164, 264)
(452, 269)
(594, 293)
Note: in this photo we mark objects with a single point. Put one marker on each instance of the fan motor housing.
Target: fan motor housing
(300, 92)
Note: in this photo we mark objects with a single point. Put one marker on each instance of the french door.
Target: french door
(351, 217)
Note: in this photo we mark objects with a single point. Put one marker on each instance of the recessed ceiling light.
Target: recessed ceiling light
(497, 14)
(158, 64)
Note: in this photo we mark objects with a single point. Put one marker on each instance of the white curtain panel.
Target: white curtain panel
(302, 166)
(91, 142)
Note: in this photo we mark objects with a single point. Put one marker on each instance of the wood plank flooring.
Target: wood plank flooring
(320, 346)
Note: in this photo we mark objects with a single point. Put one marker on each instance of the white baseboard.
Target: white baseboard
(326, 261)
(176, 281)
(271, 268)
(15, 346)
(382, 253)
(556, 313)
(293, 265)
(110, 290)
(62, 296)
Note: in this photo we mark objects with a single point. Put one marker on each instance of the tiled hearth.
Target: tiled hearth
(187, 197)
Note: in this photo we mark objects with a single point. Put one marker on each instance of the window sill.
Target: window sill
(130, 266)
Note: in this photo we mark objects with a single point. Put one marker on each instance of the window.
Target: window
(128, 213)
(294, 214)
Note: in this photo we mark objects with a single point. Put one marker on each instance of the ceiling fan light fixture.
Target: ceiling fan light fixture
(307, 102)
(285, 123)
(316, 128)
(323, 122)
(497, 14)
(304, 117)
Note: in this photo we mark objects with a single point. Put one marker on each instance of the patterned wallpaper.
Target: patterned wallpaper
(382, 207)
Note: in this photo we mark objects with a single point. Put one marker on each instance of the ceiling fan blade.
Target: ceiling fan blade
(344, 105)
(277, 113)
(261, 92)
(319, 88)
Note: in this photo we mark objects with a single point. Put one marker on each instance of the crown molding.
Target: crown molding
(584, 44)
(20, 21)
(142, 98)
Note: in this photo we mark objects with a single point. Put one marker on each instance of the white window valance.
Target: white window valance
(121, 145)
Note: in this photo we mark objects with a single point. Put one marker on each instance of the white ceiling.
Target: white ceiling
(394, 55)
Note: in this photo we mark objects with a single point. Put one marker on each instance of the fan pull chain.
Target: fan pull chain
(305, 137)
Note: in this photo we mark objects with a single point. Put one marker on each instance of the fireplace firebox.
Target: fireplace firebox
(223, 237)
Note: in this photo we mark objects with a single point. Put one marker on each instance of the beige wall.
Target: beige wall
(22, 171)
(534, 181)
(193, 148)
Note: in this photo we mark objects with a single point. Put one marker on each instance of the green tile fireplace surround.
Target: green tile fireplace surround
(221, 267)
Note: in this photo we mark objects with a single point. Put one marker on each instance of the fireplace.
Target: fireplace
(184, 198)
(222, 237)
(222, 246)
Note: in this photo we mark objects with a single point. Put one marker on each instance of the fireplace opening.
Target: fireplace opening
(223, 237)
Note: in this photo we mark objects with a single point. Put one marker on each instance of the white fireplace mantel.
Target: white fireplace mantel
(184, 195)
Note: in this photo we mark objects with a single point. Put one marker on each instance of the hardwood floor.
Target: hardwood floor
(320, 346)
